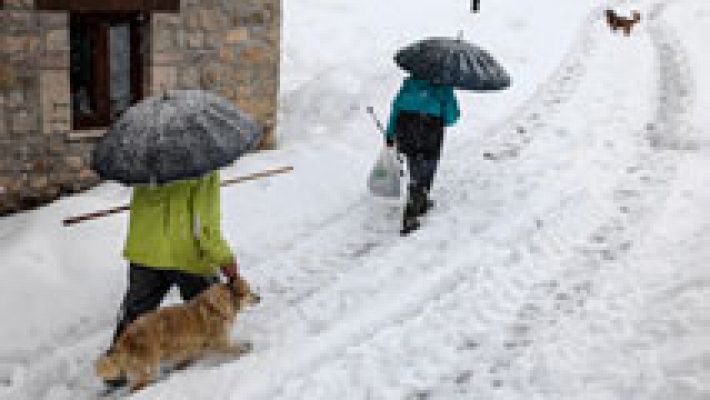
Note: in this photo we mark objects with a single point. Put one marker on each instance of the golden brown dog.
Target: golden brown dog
(616, 22)
(178, 334)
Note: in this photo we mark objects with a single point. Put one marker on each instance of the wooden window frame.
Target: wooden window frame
(100, 79)
(108, 5)
(108, 9)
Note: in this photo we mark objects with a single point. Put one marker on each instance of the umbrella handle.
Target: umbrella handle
(371, 111)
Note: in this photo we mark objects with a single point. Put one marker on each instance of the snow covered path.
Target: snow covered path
(543, 273)
(487, 302)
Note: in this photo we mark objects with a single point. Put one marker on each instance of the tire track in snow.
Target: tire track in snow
(676, 86)
(509, 137)
(602, 258)
(491, 282)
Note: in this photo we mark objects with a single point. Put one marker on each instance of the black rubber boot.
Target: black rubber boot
(427, 205)
(413, 209)
(409, 225)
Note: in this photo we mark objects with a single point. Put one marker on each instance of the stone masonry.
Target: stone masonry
(228, 46)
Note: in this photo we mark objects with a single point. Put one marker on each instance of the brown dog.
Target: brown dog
(178, 334)
(616, 22)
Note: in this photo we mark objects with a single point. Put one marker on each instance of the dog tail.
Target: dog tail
(108, 366)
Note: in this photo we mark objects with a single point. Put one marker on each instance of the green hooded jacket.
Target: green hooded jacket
(177, 226)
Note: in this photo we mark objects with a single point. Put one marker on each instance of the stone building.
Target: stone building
(69, 67)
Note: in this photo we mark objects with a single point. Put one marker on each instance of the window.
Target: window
(107, 58)
(109, 40)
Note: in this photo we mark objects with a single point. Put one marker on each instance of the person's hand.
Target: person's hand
(230, 270)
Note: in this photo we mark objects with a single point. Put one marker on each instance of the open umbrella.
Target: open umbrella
(453, 62)
(178, 135)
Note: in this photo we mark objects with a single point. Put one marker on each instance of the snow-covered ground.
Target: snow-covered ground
(569, 263)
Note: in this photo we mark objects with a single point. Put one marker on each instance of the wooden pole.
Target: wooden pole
(104, 213)
(258, 175)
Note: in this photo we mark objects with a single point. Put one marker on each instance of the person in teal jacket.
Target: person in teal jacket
(174, 239)
(419, 113)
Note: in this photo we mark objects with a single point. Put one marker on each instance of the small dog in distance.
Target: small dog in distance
(625, 24)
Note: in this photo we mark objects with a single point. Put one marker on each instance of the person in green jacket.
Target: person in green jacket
(418, 116)
(174, 239)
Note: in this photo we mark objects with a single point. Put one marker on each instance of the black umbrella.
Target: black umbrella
(453, 62)
(179, 135)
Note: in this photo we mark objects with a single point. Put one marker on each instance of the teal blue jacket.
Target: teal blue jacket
(422, 96)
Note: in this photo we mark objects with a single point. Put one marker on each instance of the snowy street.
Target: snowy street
(566, 257)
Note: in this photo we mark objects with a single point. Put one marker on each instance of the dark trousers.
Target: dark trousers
(421, 172)
(420, 137)
(148, 286)
(421, 178)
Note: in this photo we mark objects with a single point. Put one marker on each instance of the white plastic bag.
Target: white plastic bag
(385, 177)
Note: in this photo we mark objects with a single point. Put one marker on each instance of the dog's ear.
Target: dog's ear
(245, 295)
(218, 302)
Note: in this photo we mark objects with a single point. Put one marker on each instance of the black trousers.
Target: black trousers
(148, 286)
(421, 172)
(420, 137)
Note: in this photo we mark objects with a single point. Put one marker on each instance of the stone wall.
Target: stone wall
(229, 46)
(37, 164)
